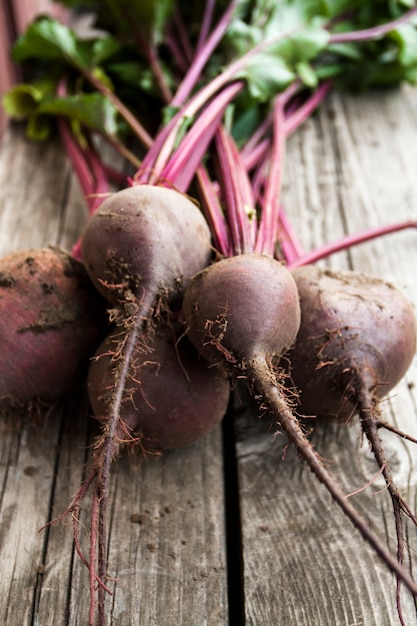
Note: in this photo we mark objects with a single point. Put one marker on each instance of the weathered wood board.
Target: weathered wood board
(351, 167)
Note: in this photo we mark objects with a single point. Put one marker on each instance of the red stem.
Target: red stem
(181, 30)
(159, 153)
(202, 56)
(181, 168)
(137, 128)
(303, 112)
(268, 227)
(290, 246)
(350, 240)
(214, 213)
(237, 193)
(205, 24)
(368, 34)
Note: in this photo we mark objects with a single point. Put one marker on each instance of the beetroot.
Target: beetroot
(357, 335)
(140, 248)
(179, 398)
(145, 241)
(356, 341)
(250, 310)
(51, 322)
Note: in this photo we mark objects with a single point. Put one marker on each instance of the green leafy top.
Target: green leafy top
(117, 60)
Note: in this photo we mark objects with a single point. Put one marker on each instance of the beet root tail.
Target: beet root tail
(265, 382)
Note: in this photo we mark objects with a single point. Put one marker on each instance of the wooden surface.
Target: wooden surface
(204, 535)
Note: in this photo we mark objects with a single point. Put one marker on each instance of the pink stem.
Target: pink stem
(303, 112)
(368, 34)
(213, 213)
(257, 155)
(78, 158)
(205, 24)
(86, 168)
(350, 240)
(181, 168)
(237, 193)
(134, 124)
(177, 52)
(181, 31)
(162, 148)
(257, 147)
(290, 246)
(267, 231)
(194, 72)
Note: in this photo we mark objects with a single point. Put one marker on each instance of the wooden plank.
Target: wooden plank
(40, 201)
(350, 167)
(167, 542)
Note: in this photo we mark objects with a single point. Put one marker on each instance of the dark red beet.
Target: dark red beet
(356, 341)
(140, 249)
(357, 333)
(172, 398)
(249, 308)
(51, 321)
(146, 241)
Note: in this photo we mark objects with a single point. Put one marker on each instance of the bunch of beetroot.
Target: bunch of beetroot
(198, 295)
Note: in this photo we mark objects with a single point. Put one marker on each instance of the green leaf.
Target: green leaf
(266, 76)
(131, 73)
(246, 124)
(407, 3)
(149, 16)
(307, 75)
(242, 36)
(81, 3)
(101, 75)
(39, 127)
(302, 46)
(168, 112)
(163, 10)
(304, 39)
(346, 50)
(21, 100)
(46, 38)
(91, 110)
(137, 75)
(104, 48)
(186, 121)
(406, 38)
